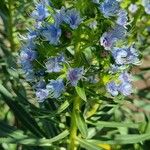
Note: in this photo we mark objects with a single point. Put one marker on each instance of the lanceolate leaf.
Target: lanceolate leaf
(114, 124)
(63, 107)
(123, 139)
(35, 141)
(81, 124)
(88, 145)
(81, 93)
(20, 113)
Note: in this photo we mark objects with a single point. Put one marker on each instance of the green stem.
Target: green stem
(73, 129)
(10, 25)
(76, 107)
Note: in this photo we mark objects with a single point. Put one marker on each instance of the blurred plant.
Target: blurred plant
(77, 57)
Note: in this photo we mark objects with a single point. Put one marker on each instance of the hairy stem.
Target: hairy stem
(73, 129)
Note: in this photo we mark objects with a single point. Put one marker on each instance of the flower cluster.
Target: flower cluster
(123, 56)
(45, 83)
(54, 56)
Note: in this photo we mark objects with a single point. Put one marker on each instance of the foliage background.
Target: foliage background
(23, 122)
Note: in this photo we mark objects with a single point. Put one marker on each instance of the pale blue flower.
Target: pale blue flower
(72, 17)
(133, 8)
(52, 34)
(40, 12)
(112, 88)
(122, 18)
(125, 88)
(30, 75)
(55, 64)
(42, 94)
(126, 55)
(109, 8)
(115, 68)
(74, 75)
(41, 72)
(55, 88)
(59, 16)
(32, 35)
(28, 54)
(26, 65)
(111, 37)
(40, 85)
(125, 77)
(146, 4)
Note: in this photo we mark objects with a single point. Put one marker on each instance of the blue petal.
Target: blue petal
(74, 75)
(55, 88)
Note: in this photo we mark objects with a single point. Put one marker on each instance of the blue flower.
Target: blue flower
(40, 12)
(54, 64)
(52, 34)
(30, 75)
(123, 85)
(28, 54)
(59, 17)
(109, 8)
(40, 73)
(42, 94)
(133, 8)
(72, 17)
(146, 4)
(122, 18)
(125, 88)
(115, 68)
(125, 77)
(55, 88)
(74, 75)
(112, 88)
(109, 38)
(40, 85)
(26, 65)
(126, 55)
(32, 35)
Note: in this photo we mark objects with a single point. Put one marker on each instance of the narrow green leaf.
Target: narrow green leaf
(9, 131)
(64, 106)
(113, 124)
(35, 141)
(81, 92)
(88, 145)
(123, 139)
(21, 113)
(130, 139)
(81, 124)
